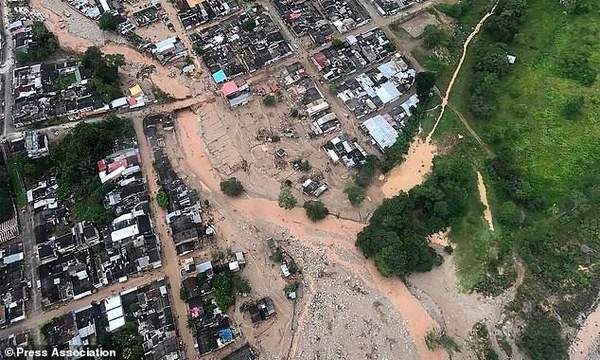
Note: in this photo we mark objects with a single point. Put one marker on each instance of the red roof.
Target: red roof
(229, 88)
(320, 59)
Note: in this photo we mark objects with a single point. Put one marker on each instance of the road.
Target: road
(170, 259)
(446, 97)
(40, 317)
(6, 70)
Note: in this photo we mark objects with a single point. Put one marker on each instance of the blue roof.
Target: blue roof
(219, 76)
(226, 335)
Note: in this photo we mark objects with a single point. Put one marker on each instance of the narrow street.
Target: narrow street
(170, 259)
(40, 317)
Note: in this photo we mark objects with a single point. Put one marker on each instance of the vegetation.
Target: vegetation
(74, 159)
(539, 120)
(542, 339)
(270, 100)
(162, 199)
(286, 199)
(424, 83)
(435, 340)
(44, 44)
(103, 70)
(226, 286)
(64, 81)
(356, 194)
(396, 236)
(128, 342)
(109, 21)
(315, 210)
(395, 154)
(249, 24)
(304, 165)
(232, 187)
(6, 204)
(482, 344)
(434, 36)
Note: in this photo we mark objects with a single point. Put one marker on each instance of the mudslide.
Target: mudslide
(330, 231)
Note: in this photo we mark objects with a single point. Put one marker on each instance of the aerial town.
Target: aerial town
(300, 179)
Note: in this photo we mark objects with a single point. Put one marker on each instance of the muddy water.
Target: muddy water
(487, 212)
(416, 166)
(332, 231)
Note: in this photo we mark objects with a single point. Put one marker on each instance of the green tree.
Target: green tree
(573, 107)
(128, 342)
(508, 214)
(425, 81)
(315, 210)
(356, 194)
(304, 165)
(109, 21)
(232, 187)
(249, 24)
(576, 65)
(434, 36)
(541, 339)
(43, 44)
(270, 100)
(286, 199)
(162, 198)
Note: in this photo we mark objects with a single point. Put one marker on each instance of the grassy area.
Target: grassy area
(550, 150)
(553, 151)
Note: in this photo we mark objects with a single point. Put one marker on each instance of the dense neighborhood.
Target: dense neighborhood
(298, 179)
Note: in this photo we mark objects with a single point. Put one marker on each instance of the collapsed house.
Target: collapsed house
(33, 144)
(309, 100)
(349, 152)
(189, 226)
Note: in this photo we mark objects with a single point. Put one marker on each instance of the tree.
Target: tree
(356, 194)
(424, 84)
(226, 286)
(128, 342)
(109, 21)
(249, 24)
(286, 198)
(373, 239)
(365, 172)
(573, 108)
(270, 100)
(541, 339)
(575, 64)
(434, 36)
(304, 165)
(162, 198)
(508, 214)
(315, 210)
(104, 70)
(232, 187)
(43, 44)
(338, 44)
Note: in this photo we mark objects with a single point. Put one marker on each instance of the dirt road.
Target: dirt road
(41, 317)
(470, 38)
(170, 259)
